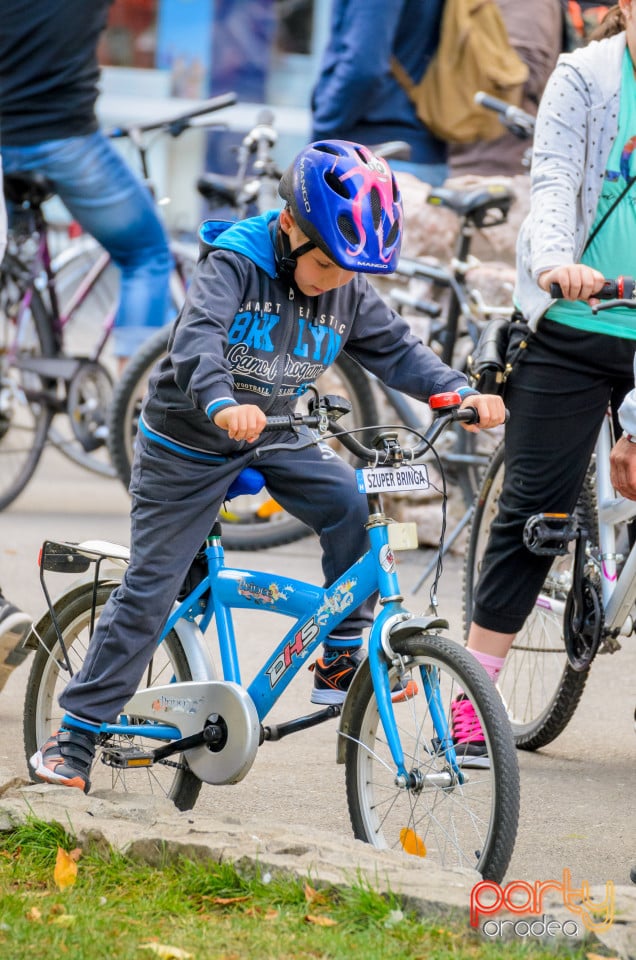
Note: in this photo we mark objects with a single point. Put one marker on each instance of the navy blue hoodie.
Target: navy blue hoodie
(246, 336)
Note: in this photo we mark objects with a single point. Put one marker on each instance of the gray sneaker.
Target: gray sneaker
(14, 627)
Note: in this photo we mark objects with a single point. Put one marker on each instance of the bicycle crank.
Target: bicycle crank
(217, 720)
(583, 625)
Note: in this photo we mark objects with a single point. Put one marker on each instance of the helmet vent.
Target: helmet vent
(348, 230)
(376, 206)
(391, 236)
(333, 180)
(324, 148)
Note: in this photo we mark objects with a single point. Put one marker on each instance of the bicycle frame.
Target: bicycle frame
(618, 592)
(316, 612)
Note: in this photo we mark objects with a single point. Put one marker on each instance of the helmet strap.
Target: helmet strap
(287, 258)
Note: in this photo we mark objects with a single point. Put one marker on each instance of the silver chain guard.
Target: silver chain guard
(188, 705)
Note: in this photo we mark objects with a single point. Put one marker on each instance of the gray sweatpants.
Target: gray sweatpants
(175, 502)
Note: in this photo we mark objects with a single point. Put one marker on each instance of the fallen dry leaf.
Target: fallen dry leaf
(321, 921)
(166, 952)
(314, 896)
(64, 920)
(65, 873)
(225, 901)
(34, 914)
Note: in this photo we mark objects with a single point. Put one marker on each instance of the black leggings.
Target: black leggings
(557, 398)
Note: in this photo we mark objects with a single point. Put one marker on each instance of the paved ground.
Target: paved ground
(577, 794)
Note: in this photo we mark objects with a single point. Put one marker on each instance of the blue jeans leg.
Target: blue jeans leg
(110, 202)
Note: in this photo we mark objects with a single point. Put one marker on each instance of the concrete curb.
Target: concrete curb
(151, 830)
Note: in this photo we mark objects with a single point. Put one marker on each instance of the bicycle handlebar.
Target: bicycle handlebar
(622, 288)
(177, 124)
(316, 420)
(517, 121)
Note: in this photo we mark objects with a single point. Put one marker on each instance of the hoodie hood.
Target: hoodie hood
(252, 238)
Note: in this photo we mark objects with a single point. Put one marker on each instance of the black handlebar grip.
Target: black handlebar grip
(622, 288)
(281, 423)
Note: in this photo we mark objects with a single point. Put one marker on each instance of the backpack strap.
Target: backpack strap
(402, 77)
(603, 219)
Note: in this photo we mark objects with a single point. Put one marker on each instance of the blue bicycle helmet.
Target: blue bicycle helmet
(347, 201)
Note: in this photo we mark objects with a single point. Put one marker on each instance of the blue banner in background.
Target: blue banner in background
(185, 39)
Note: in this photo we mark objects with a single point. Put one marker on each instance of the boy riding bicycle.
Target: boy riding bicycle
(272, 302)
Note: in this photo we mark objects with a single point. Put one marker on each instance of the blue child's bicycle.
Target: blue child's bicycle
(410, 787)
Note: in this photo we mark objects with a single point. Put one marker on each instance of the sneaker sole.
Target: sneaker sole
(327, 697)
(50, 776)
(474, 763)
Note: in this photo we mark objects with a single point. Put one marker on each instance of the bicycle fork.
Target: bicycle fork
(391, 622)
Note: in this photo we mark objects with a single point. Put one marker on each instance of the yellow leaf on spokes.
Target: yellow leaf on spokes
(65, 873)
(411, 843)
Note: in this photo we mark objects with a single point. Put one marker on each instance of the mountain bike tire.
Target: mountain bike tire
(49, 676)
(24, 422)
(471, 825)
(539, 687)
(249, 522)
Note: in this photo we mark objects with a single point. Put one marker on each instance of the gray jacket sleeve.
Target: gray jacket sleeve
(381, 340)
(200, 337)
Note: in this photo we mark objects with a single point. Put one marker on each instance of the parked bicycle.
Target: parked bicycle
(410, 787)
(587, 600)
(55, 381)
(259, 522)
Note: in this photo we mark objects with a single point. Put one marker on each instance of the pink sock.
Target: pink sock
(492, 665)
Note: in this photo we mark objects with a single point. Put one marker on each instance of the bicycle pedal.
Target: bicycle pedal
(126, 757)
(548, 534)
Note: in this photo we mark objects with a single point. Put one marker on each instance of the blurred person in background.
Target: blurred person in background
(49, 75)
(535, 30)
(356, 96)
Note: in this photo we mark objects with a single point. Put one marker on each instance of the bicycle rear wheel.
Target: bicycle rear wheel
(438, 818)
(537, 684)
(49, 675)
(25, 333)
(249, 522)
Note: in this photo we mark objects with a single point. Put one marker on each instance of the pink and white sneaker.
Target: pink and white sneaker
(468, 737)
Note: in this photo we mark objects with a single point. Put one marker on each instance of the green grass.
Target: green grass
(119, 909)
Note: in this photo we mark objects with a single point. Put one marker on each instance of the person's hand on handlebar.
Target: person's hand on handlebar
(243, 422)
(623, 468)
(577, 281)
(490, 408)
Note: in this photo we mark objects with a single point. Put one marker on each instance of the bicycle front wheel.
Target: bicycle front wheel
(49, 675)
(249, 522)
(456, 821)
(537, 684)
(25, 335)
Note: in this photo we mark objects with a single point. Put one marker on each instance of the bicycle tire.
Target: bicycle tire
(48, 676)
(249, 523)
(540, 689)
(471, 825)
(24, 423)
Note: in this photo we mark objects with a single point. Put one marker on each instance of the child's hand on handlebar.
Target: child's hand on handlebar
(577, 281)
(243, 422)
(490, 408)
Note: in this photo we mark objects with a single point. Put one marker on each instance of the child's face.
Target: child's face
(315, 272)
